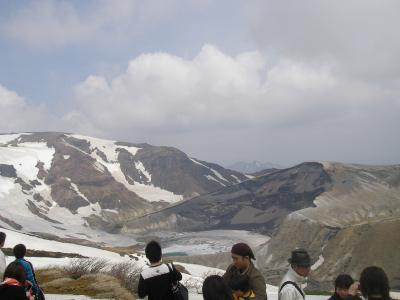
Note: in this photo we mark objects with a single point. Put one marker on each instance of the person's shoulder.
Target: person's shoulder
(23, 261)
(287, 286)
(151, 272)
(254, 271)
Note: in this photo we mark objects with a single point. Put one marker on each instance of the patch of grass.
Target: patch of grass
(57, 281)
(127, 274)
(80, 267)
(92, 277)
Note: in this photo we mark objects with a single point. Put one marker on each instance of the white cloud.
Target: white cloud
(16, 115)
(162, 92)
(360, 36)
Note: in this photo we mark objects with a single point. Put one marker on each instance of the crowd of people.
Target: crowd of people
(242, 280)
(19, 281)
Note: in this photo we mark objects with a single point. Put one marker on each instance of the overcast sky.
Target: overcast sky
(225, 80)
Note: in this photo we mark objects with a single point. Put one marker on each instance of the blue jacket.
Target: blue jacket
(30, 275)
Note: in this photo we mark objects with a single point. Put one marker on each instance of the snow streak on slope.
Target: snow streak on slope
(111, 150)
(218, 177)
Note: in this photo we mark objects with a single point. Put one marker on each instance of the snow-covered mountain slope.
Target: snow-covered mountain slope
(66, 185)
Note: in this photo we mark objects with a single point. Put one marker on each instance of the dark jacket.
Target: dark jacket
(12, 292)
(256, 280)
(336, 296)
(156, 282)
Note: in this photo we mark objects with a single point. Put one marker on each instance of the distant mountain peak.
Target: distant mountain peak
(249, 167)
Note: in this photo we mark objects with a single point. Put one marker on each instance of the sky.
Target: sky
(224, 81)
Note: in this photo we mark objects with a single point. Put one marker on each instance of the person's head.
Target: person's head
(300, 262)
(215, 288)
(374, 282)
(16, 271)
(242, 255)
(19, 251)
(153, 252)
(240, 284)
(342, 285)
(2, 239)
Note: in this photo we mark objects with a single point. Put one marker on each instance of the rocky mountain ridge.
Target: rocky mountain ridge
(65, 179)
(82, 188)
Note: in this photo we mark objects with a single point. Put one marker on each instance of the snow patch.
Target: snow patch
(236, 178)
(76, 189)
(37, 243)
(6, 185)
(108, 147)
(212, 178)
(318, 263)
(111, 210)
(153, 193)
(139, 166)
(25, 157)
(6, 138)
(91, 209)
(66, 156)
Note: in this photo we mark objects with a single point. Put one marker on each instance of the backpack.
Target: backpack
(179, 291)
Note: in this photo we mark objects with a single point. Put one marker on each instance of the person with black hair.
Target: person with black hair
(241, 287)
(374, 285)
(342, 285)
(13, 285)
(156, 281)
(291, 287)
(215, 288)
(242, 264)
(2, 256)
(19, 253)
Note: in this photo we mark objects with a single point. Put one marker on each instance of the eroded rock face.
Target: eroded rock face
(257, 204)
(173, 170)
(353, 224)
(8, 171)
(76, 182)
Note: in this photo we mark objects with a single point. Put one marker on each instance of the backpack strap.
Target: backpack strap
(295, 285)
(171, 270)
(169, 267)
